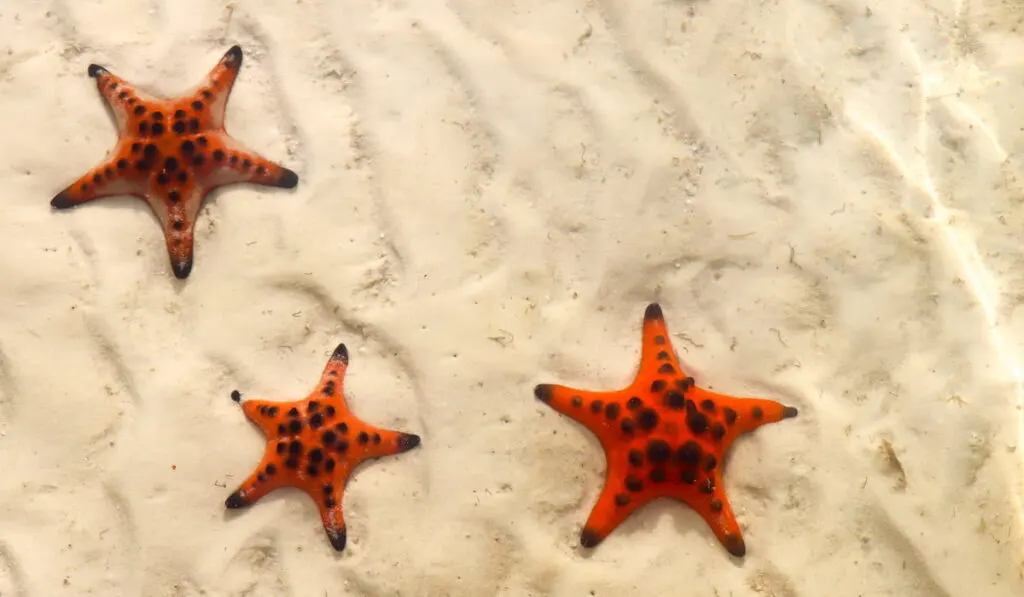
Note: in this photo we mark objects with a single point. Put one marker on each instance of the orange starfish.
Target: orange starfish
(172, 153)
(314, 444)
(663, 437)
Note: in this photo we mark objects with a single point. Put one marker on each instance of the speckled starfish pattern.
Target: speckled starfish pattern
(172, 153)
(663, 437)
(314, 444)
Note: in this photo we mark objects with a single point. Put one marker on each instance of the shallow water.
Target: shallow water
(824, 197)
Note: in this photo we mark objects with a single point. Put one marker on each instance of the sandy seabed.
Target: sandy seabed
(825, 197)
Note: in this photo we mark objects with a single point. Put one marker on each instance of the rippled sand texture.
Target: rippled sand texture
(825, 197)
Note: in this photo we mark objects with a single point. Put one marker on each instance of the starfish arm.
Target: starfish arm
(332, 379)
(755, 412)
(325, 462)
(176, 205)
(180, 247)
(325, 484)
(722, 520)
(619, 498)
(368, 442)
(708, 499)
(267, 477)
(363, 443)
(218, 160)
(115, 176)
(130, 106)
(592, 409)
(655, 348)
(210, 99)
(329, 505)
(730, 417)
(229, 162)
(271, 417)
(660, 373)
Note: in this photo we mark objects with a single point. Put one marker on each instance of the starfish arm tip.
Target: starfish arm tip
(338, 538)
(789, 412)
(288, 179)
(340, 354)
(590, 538)
(181, 269)
(96, 70)
(408, 441)
(234, 501)
(234, 54)
(62, 201)
(735, 545)
(543, 392)
(653, 312)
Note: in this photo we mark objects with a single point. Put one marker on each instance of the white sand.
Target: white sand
(826, 199)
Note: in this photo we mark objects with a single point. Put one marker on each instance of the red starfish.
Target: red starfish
(314, 444)
(663, 437)
(172, 153)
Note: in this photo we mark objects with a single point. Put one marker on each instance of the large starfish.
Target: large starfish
(663, 437)
(172, 153)
(314, 444)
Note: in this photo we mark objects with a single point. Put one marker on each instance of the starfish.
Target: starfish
(314, 444)
(663, 437)
(172, 153)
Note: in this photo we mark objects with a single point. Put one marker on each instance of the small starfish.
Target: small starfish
(314, 444)
(663, 437)
(172, 153)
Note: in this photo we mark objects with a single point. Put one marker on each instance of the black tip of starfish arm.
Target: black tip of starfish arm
(234, 55)
(543, 392)
(340, 354)
(288, 179)
(408, 441)
(589, 538)
(62, 201)
(234, 501)
(736, 546)
(789, 412)
(181, 269)
(653, 312)
(338, 538)
(96, 70)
